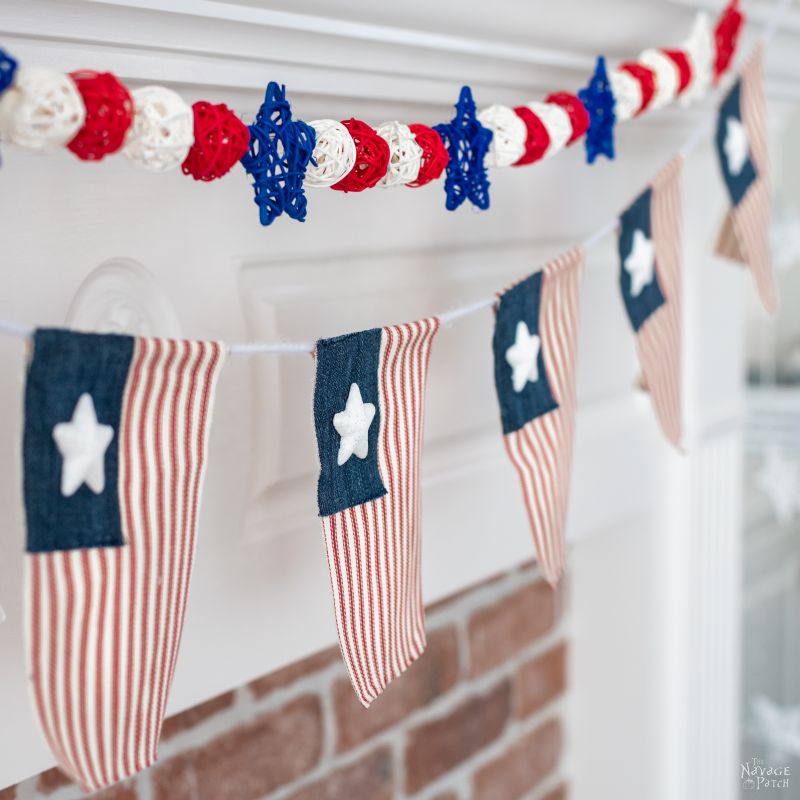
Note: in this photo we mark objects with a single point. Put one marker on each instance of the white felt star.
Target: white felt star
(640, 262)
(779, 479)
(82, 443)
(523, 357)
(352, 425)
(735, 145)
(777, 727)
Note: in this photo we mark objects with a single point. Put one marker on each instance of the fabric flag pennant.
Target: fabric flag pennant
(369, 402)
(535, 357)
(742, 149)
(650, 281)
(116, 431)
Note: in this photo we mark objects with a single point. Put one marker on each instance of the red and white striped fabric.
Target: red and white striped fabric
(374, 548)
(104, 623)
(744, 236)
(539, 428)
(658, 341)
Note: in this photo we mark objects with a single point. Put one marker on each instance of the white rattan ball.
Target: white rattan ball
(700, 47)
(667, 78)
(42, 110)
(559, 126)
(405, 155)
(627, 93)
(162, 130)
(508, 135)
(334, 154)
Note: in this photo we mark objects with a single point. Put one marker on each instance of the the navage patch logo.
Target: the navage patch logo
(757, 775)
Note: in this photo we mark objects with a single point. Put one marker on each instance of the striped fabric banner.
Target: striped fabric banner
(105, 622)
(535, 347)
(650, 283)
(369, 410)
(744, 161)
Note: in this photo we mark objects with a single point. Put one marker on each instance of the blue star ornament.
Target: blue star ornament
(733, 149)
(467, 143)
(638, 279)
(598, 100)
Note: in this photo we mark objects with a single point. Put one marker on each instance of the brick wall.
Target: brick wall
(479, 716)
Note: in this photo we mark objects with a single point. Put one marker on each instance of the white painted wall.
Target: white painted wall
(260, 596)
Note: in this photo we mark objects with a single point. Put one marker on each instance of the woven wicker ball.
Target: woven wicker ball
(699, 46)
(557, 122)
(509, 134)
(109, 114)
(627, 94)
(162, 131)
(667, 79)
(334, 154)
(405, 155)
(220, 141)
(41, 111)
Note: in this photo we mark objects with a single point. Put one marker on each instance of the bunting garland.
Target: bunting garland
(116, 427)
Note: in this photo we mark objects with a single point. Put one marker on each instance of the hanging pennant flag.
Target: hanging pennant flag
(742, 150)
(369, 403)
(535, 355)
(650, 281)
(116, 430)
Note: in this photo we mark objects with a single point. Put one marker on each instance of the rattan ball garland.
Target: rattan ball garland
(162, 130)
(94, 115)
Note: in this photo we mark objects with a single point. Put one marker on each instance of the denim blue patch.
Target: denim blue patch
(341, 362)
(737, 185)
(519, 304)
(66, 364)
(637, 217)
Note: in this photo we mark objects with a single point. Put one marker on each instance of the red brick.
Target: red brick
(446, 796)
(559, 793)
(195, 715)
(249, 761)
(541, 680)
(122, 791)
(522, 767)
(50, 780)
(434, 673)
(289, 674)
(499, 631)
(434, 748)
(371, 778)
(9, 793)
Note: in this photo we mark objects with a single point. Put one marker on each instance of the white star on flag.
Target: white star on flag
(523, 357)
(82, 443)
(352, 425)
(640, 263)
(735, 145)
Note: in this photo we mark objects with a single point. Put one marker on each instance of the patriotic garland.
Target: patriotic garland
(116, 427)
(93, 115)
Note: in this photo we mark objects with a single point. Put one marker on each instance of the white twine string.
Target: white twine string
(698, 134)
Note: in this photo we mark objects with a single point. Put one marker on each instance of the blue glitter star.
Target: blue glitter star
(598, 99)
(279, 152)
(466, 141)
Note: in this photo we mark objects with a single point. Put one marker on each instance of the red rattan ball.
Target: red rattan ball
(220, 141)
(537, 140)
(109, 114)
(434, 154)
(372, 158)
(578, 115)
